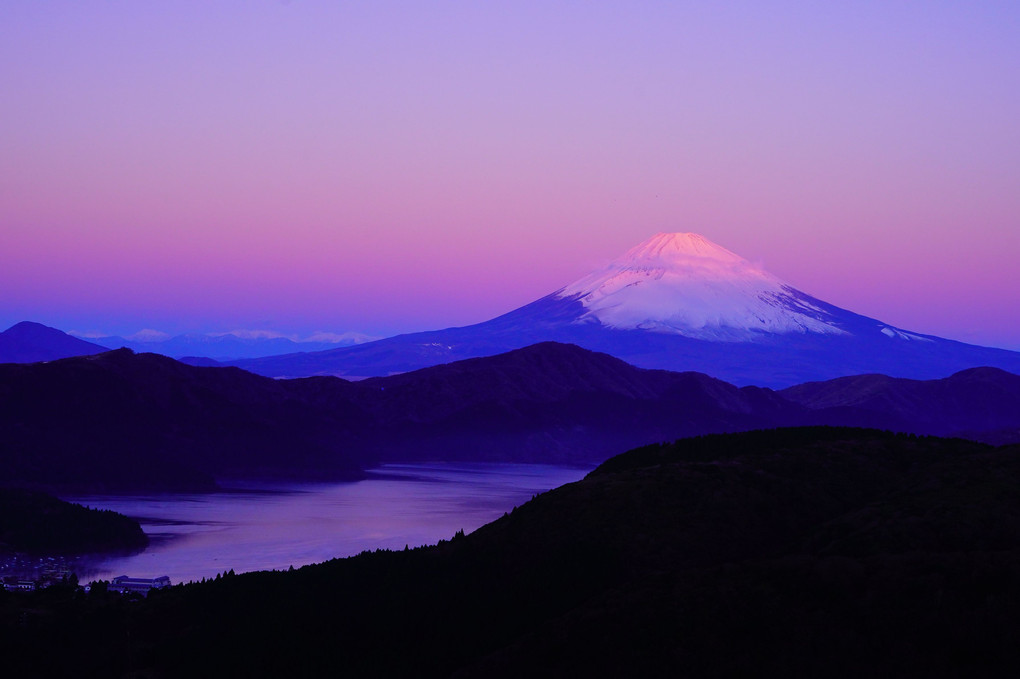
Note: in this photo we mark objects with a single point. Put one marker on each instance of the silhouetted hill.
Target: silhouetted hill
(968, 402)
(120, 421)
(38, 523)
(559, 402)
(125, 421)
(201, 362)
(802, 552)
(28, 342)
(554, 403)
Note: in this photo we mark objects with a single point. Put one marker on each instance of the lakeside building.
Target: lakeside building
(124, 584)
(19, 585)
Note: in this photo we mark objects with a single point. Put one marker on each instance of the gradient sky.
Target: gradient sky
(386, 167)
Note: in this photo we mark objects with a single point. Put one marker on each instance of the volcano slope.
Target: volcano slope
(798, 552)
(675, 302)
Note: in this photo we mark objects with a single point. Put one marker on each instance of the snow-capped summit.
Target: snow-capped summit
(681, 248)
(685, 284)
(677, 301)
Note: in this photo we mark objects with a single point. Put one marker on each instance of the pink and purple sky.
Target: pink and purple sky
(387, 167)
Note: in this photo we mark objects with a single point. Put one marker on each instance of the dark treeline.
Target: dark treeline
(802, 552)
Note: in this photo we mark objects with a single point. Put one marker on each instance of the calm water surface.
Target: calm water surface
(265, 526)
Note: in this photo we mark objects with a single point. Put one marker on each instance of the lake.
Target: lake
(251, 527)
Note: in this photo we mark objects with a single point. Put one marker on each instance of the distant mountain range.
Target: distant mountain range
(676, 302)
(227, 346)
(29, 342)
(119, 421)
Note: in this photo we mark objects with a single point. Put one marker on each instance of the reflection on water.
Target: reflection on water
(275, 526)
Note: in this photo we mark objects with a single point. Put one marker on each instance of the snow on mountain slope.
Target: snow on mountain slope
(685, 284)
(675, 302)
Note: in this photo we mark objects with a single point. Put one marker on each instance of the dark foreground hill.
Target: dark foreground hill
(803, 552)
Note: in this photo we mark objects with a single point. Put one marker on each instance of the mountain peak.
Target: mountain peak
(28, 342)
(679, 246)
(683, 283)
(25, 328)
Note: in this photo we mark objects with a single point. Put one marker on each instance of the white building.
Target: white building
(124, 584)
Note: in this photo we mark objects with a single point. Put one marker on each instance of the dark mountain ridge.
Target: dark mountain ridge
(121, 421)
(554, 403)
(970, 401)
(124, 421)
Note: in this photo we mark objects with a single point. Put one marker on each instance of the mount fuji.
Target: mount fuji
(684, 284)
(678, 302)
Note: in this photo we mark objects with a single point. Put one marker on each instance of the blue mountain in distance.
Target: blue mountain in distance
(221, 347)
(29, 342)
(676, 302)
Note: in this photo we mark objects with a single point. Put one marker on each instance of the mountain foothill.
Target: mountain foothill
(119, 421)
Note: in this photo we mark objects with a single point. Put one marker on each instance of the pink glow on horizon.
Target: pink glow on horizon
(392, 167)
